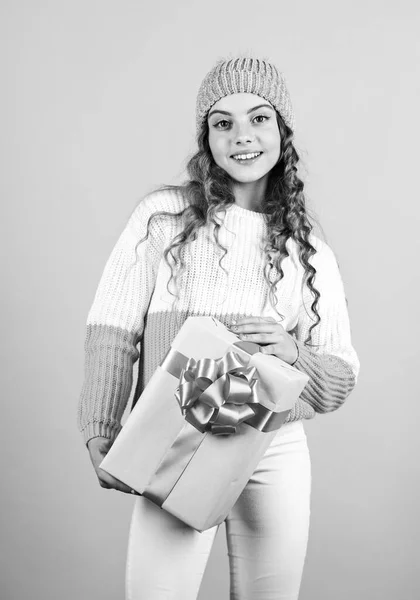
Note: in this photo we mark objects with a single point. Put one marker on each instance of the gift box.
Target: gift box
(203, 422)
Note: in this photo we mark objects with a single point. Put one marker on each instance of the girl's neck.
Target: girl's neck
(250, 195)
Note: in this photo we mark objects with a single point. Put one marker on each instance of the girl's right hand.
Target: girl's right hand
(98, 448)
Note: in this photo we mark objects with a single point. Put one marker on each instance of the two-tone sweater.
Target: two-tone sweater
(134, 315)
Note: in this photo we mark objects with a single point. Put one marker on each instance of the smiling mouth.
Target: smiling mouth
(246, 157)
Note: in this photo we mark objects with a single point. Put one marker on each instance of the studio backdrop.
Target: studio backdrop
(98, 104)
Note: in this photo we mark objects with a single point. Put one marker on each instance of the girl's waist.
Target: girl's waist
(292, 429)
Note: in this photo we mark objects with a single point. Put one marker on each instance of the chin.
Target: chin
(248, 177)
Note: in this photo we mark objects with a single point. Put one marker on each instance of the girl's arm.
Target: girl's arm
(331, 362)
(115, 324)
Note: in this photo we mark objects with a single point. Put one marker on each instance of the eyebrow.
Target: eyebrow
(225, 112)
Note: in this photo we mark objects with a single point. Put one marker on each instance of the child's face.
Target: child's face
(243, 132)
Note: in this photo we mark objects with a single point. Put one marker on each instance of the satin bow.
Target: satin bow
(217, 395)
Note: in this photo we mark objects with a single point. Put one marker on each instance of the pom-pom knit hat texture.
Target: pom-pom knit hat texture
(244, 74)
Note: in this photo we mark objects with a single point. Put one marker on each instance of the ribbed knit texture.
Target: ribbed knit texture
(244, 74)
(133, 314)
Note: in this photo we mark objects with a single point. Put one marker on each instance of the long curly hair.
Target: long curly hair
(208, 190)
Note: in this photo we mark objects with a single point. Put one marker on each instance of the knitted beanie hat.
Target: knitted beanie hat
(244, 74)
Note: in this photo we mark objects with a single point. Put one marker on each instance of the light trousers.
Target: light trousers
(267, 534)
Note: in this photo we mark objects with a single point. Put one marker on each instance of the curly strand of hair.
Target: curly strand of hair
(288, 218)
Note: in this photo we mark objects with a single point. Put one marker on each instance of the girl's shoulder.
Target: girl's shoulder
(327, 271)
(169, 199)
(323, 252)
(148, 212)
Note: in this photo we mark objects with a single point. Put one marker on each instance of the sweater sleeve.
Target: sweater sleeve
(330, 361)
(115, 324)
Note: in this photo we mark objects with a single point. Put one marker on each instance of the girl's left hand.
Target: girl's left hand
(269, 334)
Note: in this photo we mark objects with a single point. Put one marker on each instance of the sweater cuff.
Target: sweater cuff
(99, 429)
(305, 359)
(331, 379)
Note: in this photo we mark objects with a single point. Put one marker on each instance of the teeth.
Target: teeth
(246, 156)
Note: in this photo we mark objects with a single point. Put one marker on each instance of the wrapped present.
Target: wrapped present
(203, 422)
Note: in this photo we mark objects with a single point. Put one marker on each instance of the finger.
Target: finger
(268, 349)
(105, 479)
(251, 319)
(108, 481)
(259, 338)
(121, 487)
(256, 319)
(104, 484)
(255, 323)
(118, 486)
(252, 326)
(261, 328)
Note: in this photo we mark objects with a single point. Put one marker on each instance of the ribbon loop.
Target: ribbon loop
(217, 395)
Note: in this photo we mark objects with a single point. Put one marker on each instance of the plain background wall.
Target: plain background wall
(97, 108)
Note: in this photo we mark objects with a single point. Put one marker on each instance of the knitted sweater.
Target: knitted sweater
(133, 315)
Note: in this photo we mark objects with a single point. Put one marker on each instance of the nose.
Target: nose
(244, 135)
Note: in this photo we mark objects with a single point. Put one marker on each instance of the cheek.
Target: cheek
(274, 144)
(275, 139)
(217, 148)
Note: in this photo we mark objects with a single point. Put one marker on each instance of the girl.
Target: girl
(234, 242)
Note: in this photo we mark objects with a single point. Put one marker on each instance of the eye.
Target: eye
(216, 125)
(261, 117)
